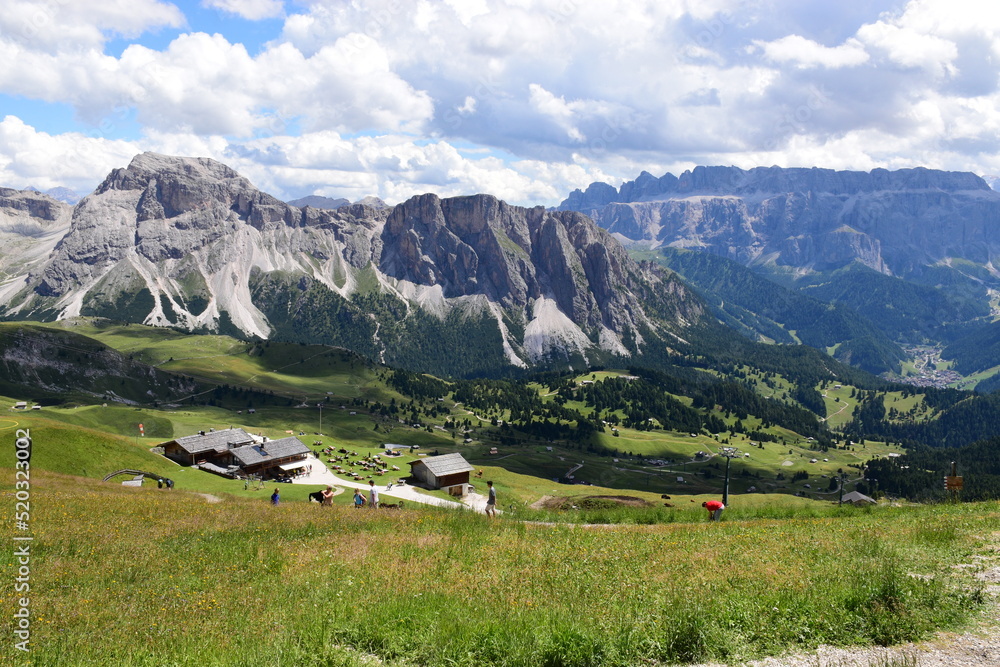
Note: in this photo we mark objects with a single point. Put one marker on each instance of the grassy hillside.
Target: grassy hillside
(144, 576)
(55, 365)
(187, 582)
(367, 405)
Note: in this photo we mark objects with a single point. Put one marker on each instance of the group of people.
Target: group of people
(714, 507)
(372, 499)
(360, 499)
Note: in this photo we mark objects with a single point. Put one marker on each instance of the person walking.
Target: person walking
(359, 498)
(491, 501)
(275, 497)
(714, 508)
(372, 494)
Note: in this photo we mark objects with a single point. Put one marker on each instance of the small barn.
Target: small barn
(214, 447)
(857, 498)
(448, 472)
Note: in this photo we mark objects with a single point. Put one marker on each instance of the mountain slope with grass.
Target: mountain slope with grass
(765, 310)
(53, 366)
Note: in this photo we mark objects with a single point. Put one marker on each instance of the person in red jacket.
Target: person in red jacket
(714, 508)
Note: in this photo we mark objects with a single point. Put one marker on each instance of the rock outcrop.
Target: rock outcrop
(31, 224)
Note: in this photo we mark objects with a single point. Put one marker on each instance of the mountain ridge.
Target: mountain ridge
(895, 222)
(190, 243)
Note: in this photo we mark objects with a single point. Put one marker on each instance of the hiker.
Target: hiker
(275, 497)
(714, 508)
(359, 498)
(373, 494)
(327, 495)
(491, 501)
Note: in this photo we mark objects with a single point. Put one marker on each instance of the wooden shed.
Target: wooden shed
(857, 498)
(442, 472)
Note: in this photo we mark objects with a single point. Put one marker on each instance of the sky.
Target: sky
(524, 99)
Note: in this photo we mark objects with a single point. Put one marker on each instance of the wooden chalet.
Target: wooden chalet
(214, 447)
(449, 472)
(234, 452)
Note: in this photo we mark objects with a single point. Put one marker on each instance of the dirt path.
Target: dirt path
(976, 648)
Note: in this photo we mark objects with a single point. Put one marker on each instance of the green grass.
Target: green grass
(240, 582)
(839, 405)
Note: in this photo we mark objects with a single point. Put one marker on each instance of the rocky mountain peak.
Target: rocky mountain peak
(320, 202)
(31, 204)
(189, 242)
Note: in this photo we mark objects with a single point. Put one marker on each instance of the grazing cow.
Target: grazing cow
(392, 506)
(316, 496)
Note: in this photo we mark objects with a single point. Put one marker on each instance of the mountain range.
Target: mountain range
(895, 222)
(909, 252)
(460, 286)
(853, 263)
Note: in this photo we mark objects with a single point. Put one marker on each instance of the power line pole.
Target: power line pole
(730, 453)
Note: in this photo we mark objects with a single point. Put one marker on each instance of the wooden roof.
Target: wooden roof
(856, 497)
(446, 464)
(214, 440)
(271, 450)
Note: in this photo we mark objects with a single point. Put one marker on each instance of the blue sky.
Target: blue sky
(525, 99)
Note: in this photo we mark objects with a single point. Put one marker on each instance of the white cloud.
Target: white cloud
(252, 10)
(395, 167)
(528, 98)
(74, 160)
(204, 84)
(468, 106)
(805, 53)
(910, 48)
(555, 108)
(71, 25)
